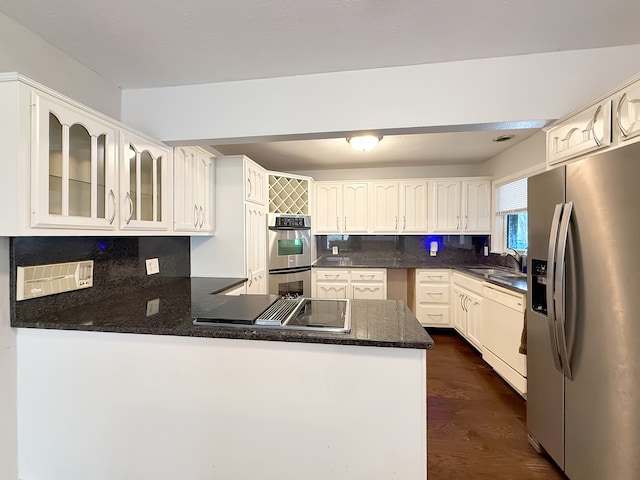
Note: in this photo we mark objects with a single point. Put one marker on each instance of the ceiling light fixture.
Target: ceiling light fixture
(363, 143)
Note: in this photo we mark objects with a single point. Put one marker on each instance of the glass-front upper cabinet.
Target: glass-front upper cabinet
(73, 161)
(145, 185)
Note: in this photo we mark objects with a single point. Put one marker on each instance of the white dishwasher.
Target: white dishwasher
(502, 324)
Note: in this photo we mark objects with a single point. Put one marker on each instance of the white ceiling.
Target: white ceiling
(152, 43)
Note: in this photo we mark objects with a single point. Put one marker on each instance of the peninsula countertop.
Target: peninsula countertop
(166, 310)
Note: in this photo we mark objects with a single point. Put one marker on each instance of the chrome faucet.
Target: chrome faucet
(518, 258)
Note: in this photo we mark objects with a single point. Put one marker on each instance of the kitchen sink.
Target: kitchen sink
(498, 273)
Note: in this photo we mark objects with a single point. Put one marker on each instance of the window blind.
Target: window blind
(511, 197)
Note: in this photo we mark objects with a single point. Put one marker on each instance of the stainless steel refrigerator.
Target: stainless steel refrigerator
(583, 315)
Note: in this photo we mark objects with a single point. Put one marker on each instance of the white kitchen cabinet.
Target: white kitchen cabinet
(467, 308)
(476, 206)
(330, 283)
(627, 113)
(358, 283)
(355, 207)
(239, 247)
(255, 244)
(341, 207)
(586, 131)
(383, 207)
(414, 206)
(432, 297)
(459, 314)
(194, 196)
(462, 206)
(73, 160)
(328, 208)
(146, 194)
(446, 206)
(255, 183)
(71, 170)
(368, 283)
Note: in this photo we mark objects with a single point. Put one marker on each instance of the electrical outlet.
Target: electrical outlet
(153, 266)
(153, 306)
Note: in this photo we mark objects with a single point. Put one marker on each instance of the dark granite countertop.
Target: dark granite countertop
(407, 260)
(166, 310)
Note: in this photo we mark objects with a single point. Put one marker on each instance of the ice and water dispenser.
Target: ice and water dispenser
(539, 286)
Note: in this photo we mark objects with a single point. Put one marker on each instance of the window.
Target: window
(511, 215)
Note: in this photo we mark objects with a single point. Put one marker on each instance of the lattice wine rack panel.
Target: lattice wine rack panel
(288, 195)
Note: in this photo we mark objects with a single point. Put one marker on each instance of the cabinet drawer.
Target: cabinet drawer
(334, 274)
(368, 275)
(432, 294)
(512, 300)
(467, 282)
(433, 276)
(437, 315)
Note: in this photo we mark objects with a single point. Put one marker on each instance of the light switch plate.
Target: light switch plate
(153, 306)
(153, 266)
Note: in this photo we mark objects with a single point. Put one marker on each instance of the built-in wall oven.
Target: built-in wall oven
(290, 255)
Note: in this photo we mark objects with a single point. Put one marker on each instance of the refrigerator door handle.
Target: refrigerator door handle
(551, 283)
(560, 291)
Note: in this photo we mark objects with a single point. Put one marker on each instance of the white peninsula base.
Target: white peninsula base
(104, 406)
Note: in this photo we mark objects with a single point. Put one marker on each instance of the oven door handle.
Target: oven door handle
(286, 271)
(275, 229)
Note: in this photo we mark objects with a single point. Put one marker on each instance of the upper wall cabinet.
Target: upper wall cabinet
(194, 195)
(461, 206)
(255, 183)
(328, 208)
(69, 170)
(585, 132)
(414, 195)
(146, 192)
(341, 207)
(627, 116)
(608, 123)
(73, 161)
(384, 208)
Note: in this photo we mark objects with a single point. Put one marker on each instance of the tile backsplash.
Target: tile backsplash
(452, 249)
(119, 266)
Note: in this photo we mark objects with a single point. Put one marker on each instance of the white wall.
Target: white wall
(524, 156)
(24, 52)
(8, 407)
(434, 171)
(526, 87)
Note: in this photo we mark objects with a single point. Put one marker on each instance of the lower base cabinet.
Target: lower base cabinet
(467, 308)
(432, 295)
(357, 283)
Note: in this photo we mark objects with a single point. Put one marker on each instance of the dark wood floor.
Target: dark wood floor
(476, 426)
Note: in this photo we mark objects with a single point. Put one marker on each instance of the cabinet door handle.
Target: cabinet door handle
(435, 294)
(196, 216)
(396, 227)
(250, 277)
(201, 217)
(112, 196)
(345, 223)
(250, 188)
(457, 222)
(593, 127)
(366, 276)
(619, 115)
(466, 222)
(404, 222)
(338, 224)
(128, 198)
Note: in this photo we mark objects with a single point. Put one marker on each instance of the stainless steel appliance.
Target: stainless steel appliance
(583, 325)
(290, 255)
(269, 311)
